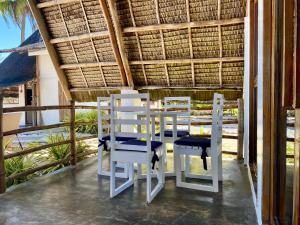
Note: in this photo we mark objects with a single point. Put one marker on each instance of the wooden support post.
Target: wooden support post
(240, 129)
(2, 169)
(73, 133)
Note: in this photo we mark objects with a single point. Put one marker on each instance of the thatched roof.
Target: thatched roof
(99, 46)
(18, 67)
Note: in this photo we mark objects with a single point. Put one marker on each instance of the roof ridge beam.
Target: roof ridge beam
(177, 26)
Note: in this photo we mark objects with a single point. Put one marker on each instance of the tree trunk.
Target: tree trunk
(23, 27)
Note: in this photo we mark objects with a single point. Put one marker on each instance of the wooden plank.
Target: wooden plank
(29, 129)
(2, 168)
(240, 129)
(80, 37)
(113, 22)
(54, 3)
(296, 88)
(296, 184)
(35, 108)
(72, 134)
(52, 52)
(288, 38)
(149, 62)
(35, 149)
(178, 26)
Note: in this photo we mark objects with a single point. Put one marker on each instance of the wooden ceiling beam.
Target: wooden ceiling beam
(187, 3)
(113, 41)
(80, 37)
(54, 3)
(113, 20)
(100, 89)
(151, 62)
(177, 26)
(220, 44)
(51, 50)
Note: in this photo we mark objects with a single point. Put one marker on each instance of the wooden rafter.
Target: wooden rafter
(190, 41)
(52, 53)
(79, 37)
(92, 42)
(71, 43)
(54, 2)
(113, 18)
(178, 26)
(220, 44)
(156, 62)
(113, 41)
(162, 42)
(138, 41)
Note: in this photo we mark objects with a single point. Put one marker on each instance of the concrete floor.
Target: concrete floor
(78, 196)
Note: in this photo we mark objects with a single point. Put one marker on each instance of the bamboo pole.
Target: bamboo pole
(2, 169)
(73, 133)
(240, 129)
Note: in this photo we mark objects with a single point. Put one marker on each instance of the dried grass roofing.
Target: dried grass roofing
(182, 44)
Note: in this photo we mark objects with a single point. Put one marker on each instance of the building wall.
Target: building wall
(48, 89)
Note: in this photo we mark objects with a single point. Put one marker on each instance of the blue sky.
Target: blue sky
(10, 35)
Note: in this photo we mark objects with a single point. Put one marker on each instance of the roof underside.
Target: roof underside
(102, 46)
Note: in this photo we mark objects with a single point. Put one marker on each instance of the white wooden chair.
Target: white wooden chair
(203, 147)
(183, 125)
(104, 137)
(140, 151)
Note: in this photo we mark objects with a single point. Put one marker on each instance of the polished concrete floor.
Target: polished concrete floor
(78, 196)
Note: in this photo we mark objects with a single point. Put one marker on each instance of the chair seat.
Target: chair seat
(107, 138)
(180, 133)
(193, 141)
(154, 144)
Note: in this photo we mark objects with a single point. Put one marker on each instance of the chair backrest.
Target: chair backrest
(103, 116)
(142, 113)
(182, 105)
(217, 122)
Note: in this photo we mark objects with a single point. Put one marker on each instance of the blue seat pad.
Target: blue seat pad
(194, 141)
(204, 143)
(107, 138)
(180, 133)
(154, 144)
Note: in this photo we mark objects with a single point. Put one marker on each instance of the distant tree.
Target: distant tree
(17, 11)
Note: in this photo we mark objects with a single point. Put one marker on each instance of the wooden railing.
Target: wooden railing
(72, 140)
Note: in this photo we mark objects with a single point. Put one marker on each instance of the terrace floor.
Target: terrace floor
(77, 196)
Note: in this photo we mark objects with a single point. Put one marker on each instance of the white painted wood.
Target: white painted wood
(215, 152)
(103, 104)
(131, 153)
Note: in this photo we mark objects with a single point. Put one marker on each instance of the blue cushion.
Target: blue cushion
(107, 138)
(154, 144)
(180, 133)
(194, 141)
(198, 142)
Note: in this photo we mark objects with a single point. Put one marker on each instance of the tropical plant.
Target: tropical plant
(17, 165)
(89, 117)
(17, 11)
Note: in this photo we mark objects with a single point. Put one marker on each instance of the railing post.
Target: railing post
(73, 133)
(2, 169)
(240, 129)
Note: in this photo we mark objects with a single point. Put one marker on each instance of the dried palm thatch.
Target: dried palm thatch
(100, 46)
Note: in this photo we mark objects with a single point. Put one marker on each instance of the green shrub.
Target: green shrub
(86, 117)
(17, 165)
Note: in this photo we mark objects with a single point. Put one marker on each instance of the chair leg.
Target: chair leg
(149, 179)
(100, 158)
(178, 168)
(215, 173)
(220, 167)
(187, 166)
(112, 178)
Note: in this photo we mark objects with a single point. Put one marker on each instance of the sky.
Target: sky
(10, 35)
